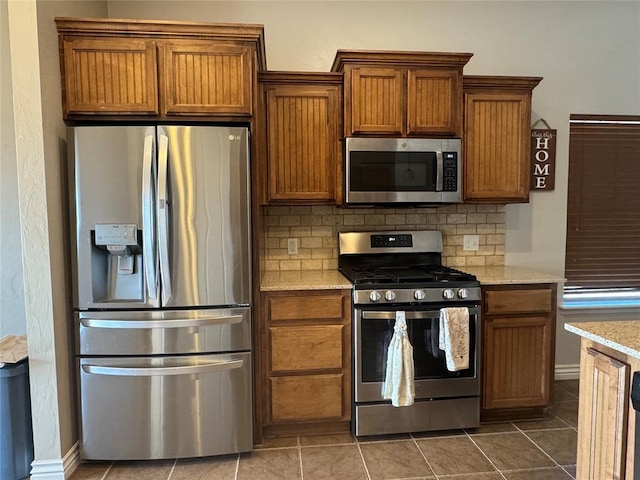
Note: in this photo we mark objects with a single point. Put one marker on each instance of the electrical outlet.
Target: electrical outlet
(471, 243)
(292, 246)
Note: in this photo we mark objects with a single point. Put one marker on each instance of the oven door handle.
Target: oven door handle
(409, 315)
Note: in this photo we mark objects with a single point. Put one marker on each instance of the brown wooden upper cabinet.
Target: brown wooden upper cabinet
(131, 68)
(301, 113)
(497, 136)
(390, 93)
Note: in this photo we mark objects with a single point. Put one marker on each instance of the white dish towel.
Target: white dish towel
(398, 382)
(454, 337)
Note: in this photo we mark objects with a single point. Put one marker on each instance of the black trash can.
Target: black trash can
(16, 432)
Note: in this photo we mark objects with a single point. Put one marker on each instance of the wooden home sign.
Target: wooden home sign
(543, 157)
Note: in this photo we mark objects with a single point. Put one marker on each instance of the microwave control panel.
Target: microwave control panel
(450, 171)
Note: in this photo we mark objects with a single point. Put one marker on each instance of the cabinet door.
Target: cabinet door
(205, 77)
(109, 76)
(517, 361)
(434, 104)
(304, 164)
(377, 100)
(497, 146)
(602, 416)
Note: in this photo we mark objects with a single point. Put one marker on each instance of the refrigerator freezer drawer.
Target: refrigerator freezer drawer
(164, 332)
(167, 407)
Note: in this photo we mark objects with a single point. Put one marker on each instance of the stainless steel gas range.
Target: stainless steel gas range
(403, 271)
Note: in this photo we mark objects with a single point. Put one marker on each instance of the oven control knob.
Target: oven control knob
(448, 293)
(419, 294)
(463, 293)
(390, 295)
(374, 296)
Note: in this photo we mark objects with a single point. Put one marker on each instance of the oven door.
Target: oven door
(373, 329)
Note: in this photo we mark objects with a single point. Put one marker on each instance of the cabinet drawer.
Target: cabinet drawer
(518, 301)
(306, 397)
(306, 348)
(309, 307)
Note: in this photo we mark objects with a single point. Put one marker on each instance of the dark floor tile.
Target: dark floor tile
(91, 471)
(334, 439)
(561, 445)
(572, 386)
(492, 428)
(567, 411)
(207, 468)
(512, 451)
(281, 442)
(539, 474)
(335, 461)
(453, 455)
(274, 464)
(401, 459)
(140, 470)
(570, 469)
(561, 394)
(548, 421)
(473, 476)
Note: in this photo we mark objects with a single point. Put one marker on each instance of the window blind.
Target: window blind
(603, 211)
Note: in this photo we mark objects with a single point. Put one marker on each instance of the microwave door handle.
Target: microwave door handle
(148, 227)
(439, 171)
(163, 216)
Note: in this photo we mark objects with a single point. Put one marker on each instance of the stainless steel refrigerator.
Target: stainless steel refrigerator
(162, 290)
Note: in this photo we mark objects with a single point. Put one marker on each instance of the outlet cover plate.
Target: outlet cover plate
(471, 243)
(292, 246)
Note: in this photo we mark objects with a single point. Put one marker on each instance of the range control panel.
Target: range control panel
(390, 240)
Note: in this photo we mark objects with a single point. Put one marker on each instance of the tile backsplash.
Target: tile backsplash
(316, 230)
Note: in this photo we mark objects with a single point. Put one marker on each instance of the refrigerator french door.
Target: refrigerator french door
(162, 290)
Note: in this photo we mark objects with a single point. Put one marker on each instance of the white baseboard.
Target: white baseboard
(567, 372)
(56, 469)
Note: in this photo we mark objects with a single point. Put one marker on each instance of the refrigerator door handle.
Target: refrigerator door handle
(163, 215)
(157, 371)
(148, 228)
(173, 323)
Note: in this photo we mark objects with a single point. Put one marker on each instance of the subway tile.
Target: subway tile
(332, 219)
(311, 265)
(477, 218)
(466, 229)
(311, 242)
(454, 218)
(322, 210)
(300, 210)
(322, 231)
(486, 208)
(301, 231)
(479, 261)
(486, 228)
(495, 217)
(396, 219)
(278, 210)
(289, 264)
(311, 220)
(466, 208)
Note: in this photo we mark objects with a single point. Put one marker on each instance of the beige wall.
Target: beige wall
(37, 157)
(12, 316)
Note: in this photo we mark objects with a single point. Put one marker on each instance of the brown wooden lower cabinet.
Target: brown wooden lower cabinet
(518, 346)
(606, 422)
(307, 359)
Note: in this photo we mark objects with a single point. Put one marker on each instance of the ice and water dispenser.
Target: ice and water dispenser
(117, 273)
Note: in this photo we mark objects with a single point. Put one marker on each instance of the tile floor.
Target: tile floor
(532, 450)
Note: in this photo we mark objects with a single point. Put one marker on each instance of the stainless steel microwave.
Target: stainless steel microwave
(402, 171)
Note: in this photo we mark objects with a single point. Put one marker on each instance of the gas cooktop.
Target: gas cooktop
(426, 274)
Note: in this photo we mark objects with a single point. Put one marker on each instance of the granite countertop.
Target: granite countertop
(304, 280)
(622, 336)
(332, 279)
(504, 275)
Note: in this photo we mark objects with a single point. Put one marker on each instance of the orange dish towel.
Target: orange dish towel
(454, 337)
(398, 382)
